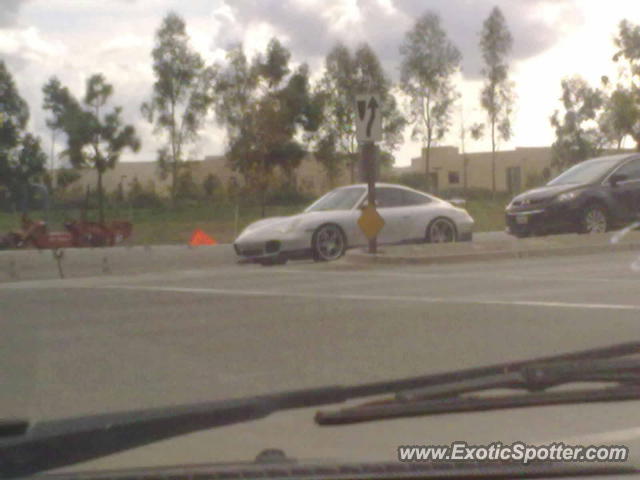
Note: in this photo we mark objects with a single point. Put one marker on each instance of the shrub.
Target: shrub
(288, 195)
(144, 197)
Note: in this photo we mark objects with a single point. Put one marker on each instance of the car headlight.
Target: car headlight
(565, 197)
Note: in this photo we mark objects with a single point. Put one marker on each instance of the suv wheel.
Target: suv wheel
(594, 219)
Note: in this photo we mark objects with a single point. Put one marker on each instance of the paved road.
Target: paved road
(491, 236)
(115, 342)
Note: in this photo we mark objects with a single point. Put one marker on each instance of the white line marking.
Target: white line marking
(384, 298)
(537, 277)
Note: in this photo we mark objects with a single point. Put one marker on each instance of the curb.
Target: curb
(20, 265)
(360, 257)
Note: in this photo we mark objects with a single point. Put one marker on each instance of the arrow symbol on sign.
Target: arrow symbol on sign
(373, 106)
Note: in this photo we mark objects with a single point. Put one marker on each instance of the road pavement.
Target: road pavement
(109, 342)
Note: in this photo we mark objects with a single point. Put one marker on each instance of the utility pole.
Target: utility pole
(369, 161)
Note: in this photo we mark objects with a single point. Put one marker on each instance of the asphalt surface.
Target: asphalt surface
(110, 342)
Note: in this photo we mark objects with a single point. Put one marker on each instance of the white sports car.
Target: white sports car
(328, 227)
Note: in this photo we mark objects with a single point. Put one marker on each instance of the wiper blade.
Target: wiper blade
(534, 378)
(58, 443)
(414, 408)
(537, 376)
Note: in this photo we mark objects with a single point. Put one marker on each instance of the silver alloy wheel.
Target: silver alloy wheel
(595, 220)
(329, 243)
(442, 231)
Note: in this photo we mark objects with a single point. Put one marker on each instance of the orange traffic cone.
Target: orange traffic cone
(201, 238)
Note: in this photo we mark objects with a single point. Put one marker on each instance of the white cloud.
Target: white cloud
(28, 45)
(71, 39)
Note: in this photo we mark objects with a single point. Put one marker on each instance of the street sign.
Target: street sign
(368, 118)
(370, 222)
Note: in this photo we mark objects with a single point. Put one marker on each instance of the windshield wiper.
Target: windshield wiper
(535, 379)
(26, 449)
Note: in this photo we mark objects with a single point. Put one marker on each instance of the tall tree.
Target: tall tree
(577, 134)
(620, 115)
(346, 75)
(429, 61)
(497, 96)
(21, 157)
(628, 44)
(625, 100)
(181, 94)
(51, 89)
(96, 134)
(14, 111)
(266, 107)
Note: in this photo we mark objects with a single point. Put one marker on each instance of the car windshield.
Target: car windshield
(586, 172)
(339, 199)
(192, 265)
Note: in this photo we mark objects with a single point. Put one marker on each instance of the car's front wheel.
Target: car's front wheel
(441, 230)
(328, 243)
(594, 219)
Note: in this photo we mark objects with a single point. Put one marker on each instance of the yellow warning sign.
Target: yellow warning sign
(370, 222)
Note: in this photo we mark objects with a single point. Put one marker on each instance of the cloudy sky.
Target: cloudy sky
(74, 38)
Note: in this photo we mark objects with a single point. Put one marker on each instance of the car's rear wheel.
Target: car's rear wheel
(594, 219)
(328, 243)
(441, 230)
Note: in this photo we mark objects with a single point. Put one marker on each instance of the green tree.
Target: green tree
(96, 135)
(14, 111)
(21, 157)
(346, 75)
(624, 103)
(497, 96)
(329, 158)
(620, 114)
(265, 108)
(578, 136)
(66, 177)
(429, 61)
(54, 89)
(628, 44)
(181, 94)
(187, 188)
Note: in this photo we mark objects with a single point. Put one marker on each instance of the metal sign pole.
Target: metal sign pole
(368, 159)
(368, 132)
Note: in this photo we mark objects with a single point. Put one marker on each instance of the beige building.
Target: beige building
(310, 176)
(515, 169)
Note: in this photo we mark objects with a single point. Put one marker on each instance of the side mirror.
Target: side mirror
(617, 178)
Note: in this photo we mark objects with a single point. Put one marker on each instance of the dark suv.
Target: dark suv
(590, 197)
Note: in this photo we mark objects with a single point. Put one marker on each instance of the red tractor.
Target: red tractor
(76, 234)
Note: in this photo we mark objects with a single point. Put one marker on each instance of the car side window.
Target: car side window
(389, 197)
(414, 198)
(631, 170)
